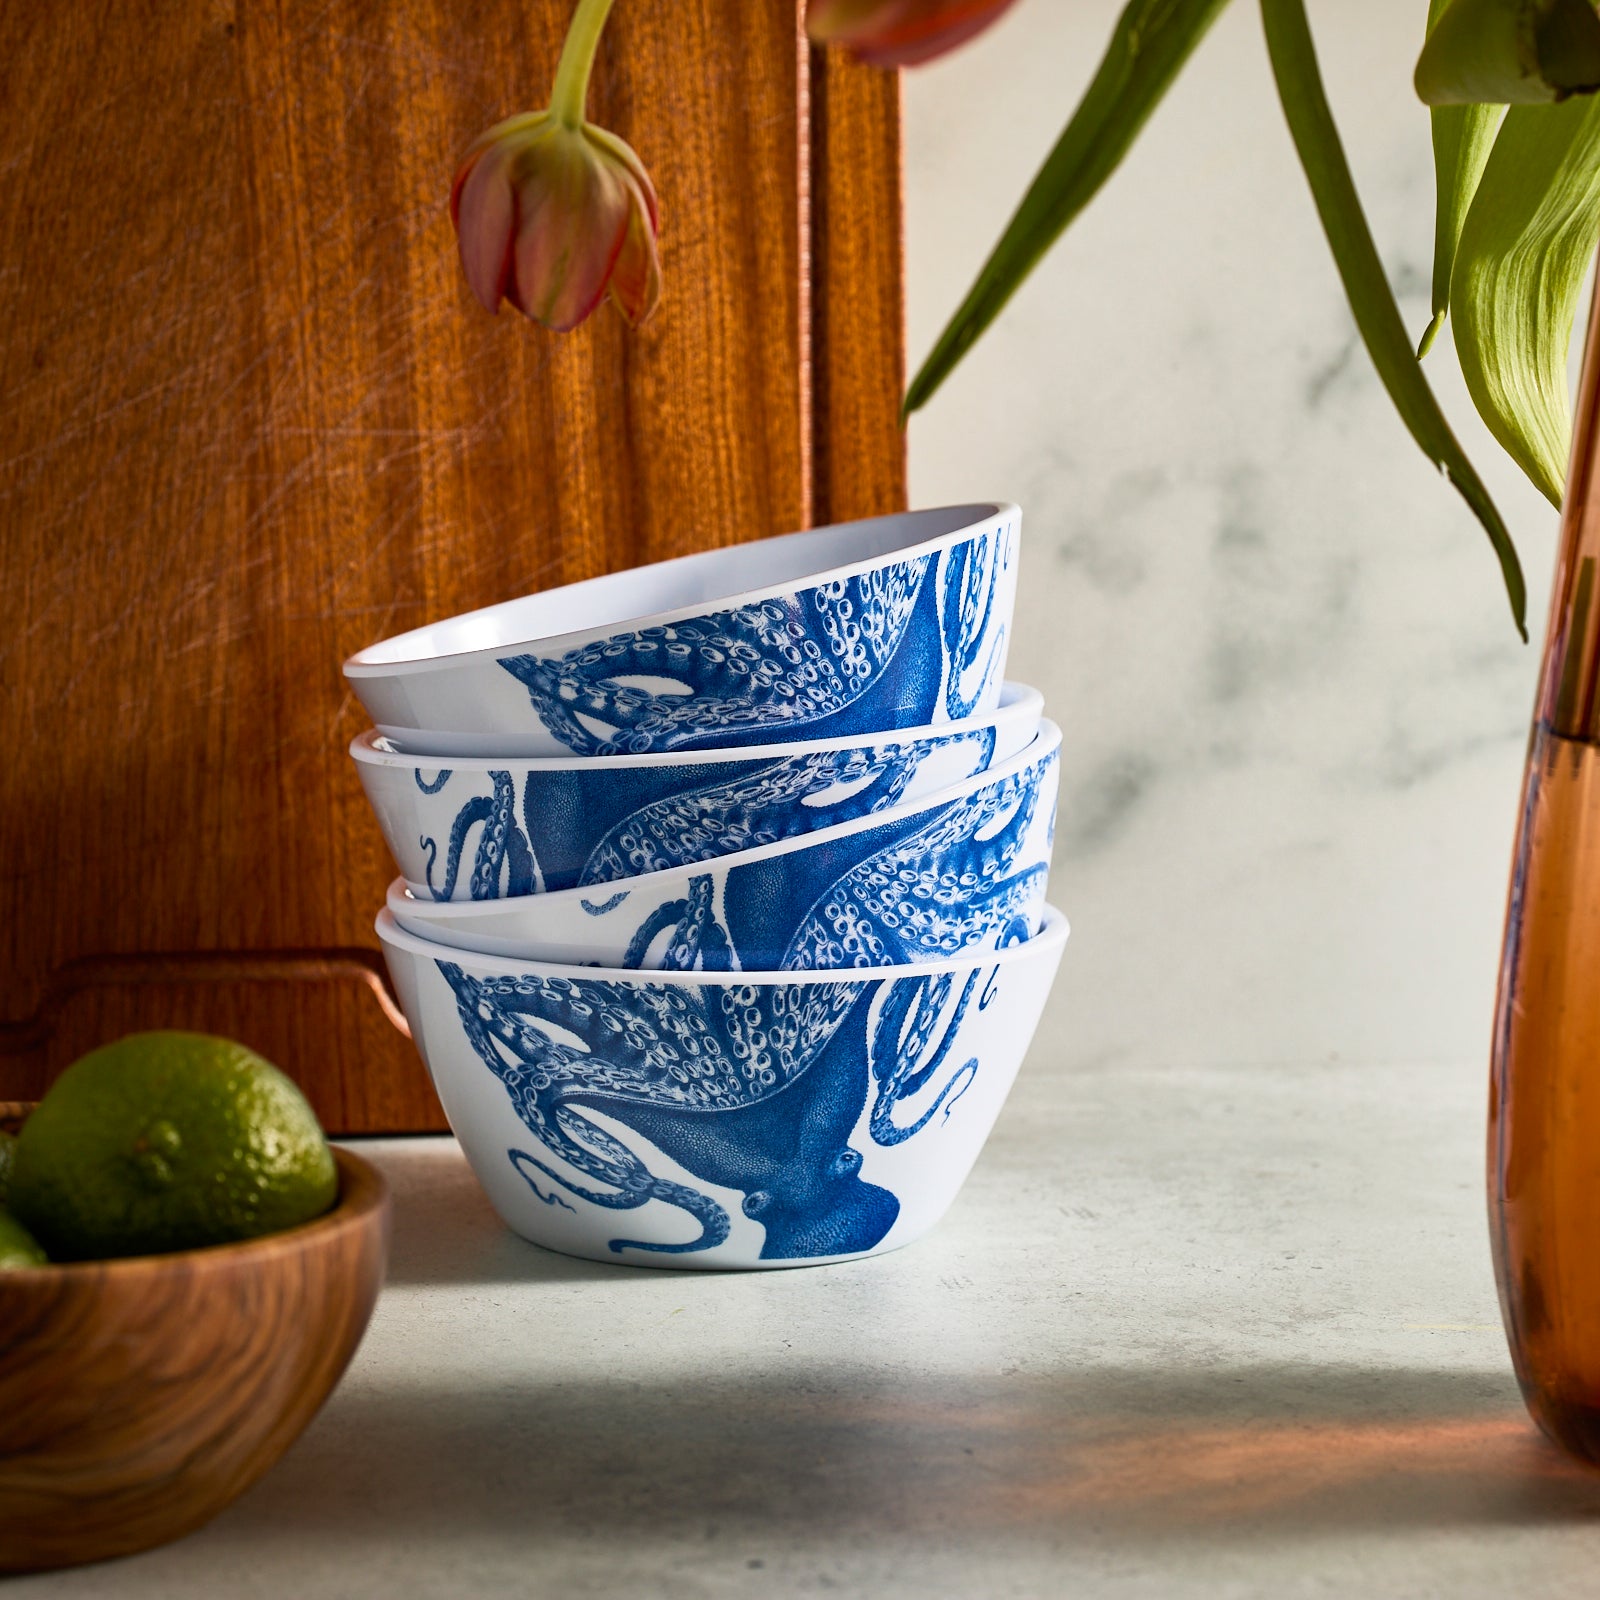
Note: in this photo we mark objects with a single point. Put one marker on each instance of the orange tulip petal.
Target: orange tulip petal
(456, 187)
(624, 153)
(900, 33)
(552, 217)
(636, 278)
(572, 218)
(484, 210)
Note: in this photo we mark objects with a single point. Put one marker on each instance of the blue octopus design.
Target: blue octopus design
(566, 837)
(755, 1088)
(972, 577)
(883, 649)
(504, 863)
(940, 889)
(778, 800)
(928, 887)
(748, 671)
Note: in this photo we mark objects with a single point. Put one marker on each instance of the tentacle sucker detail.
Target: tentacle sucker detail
(767, 669)
(699, 942)
(753, 1087)
(899, 1046)
(972, 572)
(503, 863)
(951, 884)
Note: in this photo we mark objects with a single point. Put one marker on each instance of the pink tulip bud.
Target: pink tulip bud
(899, 33)
(551, 215)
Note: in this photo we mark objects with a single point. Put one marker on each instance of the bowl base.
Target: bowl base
(656, 1262)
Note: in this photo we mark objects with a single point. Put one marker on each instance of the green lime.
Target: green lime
(168, 1141)
(8, 1143)
(18, 1247)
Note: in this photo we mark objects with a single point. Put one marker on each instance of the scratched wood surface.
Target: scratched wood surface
(857, 290)
(250, 420)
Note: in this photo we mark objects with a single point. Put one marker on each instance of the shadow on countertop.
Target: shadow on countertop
(726, 1471)
(1103, 1455)
(1287, 1449)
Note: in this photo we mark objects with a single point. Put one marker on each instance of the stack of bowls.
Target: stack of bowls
(722, 894)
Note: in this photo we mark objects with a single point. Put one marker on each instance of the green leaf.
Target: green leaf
(1519, 269)
(1316, 139)
(1510, 52)
(1462, 139)
(1151, 42)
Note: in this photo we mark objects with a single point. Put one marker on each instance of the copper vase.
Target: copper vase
(1544, 1097)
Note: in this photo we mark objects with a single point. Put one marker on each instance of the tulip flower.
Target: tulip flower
(552, 213)
(899, 33)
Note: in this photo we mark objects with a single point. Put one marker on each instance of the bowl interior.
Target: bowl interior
(620, 598)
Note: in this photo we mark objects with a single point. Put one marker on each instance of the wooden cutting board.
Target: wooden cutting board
(251, 420)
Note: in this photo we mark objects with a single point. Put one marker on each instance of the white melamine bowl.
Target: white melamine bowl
(722, 1119)
(482, 828)
(890, 623)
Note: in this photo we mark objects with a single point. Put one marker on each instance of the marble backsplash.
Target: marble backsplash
(1294, 704)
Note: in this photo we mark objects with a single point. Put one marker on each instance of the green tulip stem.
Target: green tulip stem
(571, 92)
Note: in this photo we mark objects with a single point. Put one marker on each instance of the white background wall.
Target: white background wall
(1294, 704)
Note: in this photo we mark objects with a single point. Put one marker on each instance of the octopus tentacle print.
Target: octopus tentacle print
(501, 1018)
(698, 942)
(899, 1047)
(747, 674)
(971, 575)
(777, 801)
(754, 1088)
(943, 887)
(651, 1052)
(504, 863)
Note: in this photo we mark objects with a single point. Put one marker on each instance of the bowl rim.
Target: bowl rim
(1040, 751)
(363, 1191)
(1053, 933)
(975, 516)
(1018, 701)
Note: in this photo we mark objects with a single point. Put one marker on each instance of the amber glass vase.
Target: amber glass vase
(1544, 1097)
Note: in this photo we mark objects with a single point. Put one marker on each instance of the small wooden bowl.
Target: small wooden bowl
(139, 1397)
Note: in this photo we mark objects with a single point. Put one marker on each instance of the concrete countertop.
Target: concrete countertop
(1221, 1333)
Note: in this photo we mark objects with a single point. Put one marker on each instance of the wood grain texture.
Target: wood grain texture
(139, 1397)
(251, 420)
(857, 290)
